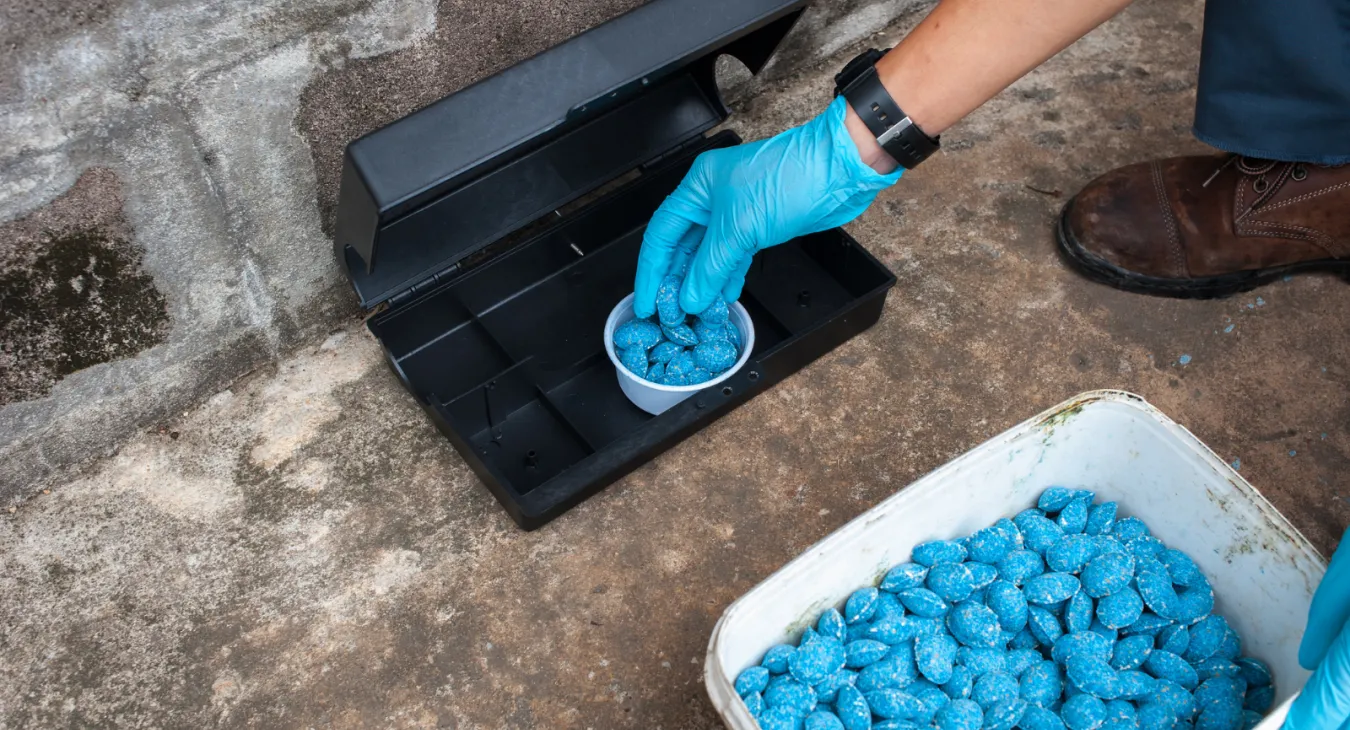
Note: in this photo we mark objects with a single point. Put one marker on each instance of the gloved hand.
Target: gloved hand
(739, 200)
(1325, 700)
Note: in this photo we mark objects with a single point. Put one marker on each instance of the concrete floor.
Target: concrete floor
(304, 550)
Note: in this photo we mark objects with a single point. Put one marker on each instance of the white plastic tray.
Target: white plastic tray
(1263, 571)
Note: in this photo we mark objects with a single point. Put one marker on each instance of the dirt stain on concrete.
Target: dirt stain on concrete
(73, 291)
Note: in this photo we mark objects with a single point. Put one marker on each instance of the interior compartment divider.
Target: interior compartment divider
(562, 417)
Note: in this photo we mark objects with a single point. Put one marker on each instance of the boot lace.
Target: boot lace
(1267, 176)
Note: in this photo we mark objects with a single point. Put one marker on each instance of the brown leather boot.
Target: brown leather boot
(1208, 226)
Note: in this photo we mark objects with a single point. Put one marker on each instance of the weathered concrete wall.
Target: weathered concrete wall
(186, 152)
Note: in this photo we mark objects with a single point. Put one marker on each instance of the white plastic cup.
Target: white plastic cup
(653, 397)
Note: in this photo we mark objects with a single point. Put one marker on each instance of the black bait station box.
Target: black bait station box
(501, 224)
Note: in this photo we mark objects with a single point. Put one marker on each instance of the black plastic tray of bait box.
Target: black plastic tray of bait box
(502, 342)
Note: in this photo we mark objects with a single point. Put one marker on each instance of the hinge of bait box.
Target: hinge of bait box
(440, 277)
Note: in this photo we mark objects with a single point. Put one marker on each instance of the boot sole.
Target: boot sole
(1100, 270)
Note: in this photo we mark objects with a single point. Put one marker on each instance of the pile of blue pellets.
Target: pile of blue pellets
(1062, 617)
(679, 348)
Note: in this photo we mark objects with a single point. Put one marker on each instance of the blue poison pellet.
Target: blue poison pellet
(681, 364)
(822, 720)
(828, 689)
(1101, 519)
(961, 684)
(974, 624)
(814, 661)
(1044, 626)
(935, 656)
(951, 581)
(982, 660)
(1131, 652)
(959, 715)
(939, 551)
(1078, 613)
(1083, 643)
(888, 606)
(982, 574)
(864, 652)
(716, 313)
(634, 359)
(680, 334)
(715, 356)
(1120, 609)
(1009, 604)
(903, 577)
(992, 544)
(1051, 588)
(780, 718)
(1020, 566)
(1129, 528)
(861, 605)
(753, 679)
(664, 352)
(1042, 685)
(894, 704)
(889, 673)
(1120, 710)
(1169, 666)
(1005, 715)
(1055, 499)
(1181, 568)
(1084, 712)
(1259, 699)
(1038, 531)
(1150, 624)
(776, 659)
(794, 695)
(1231, 646)
(995, 688)
(1019, 661)
(1206, 636)
(1073, 518)
(925, 603)
(709, 332)
(754, 702)
(852, 709)
(637, 333)
(668, 301)
(1024, 639)
(1254, 671)
(831, 624)
(1107, 574)
(1037, 623)
(1039, 718)
(1093, 676)
(1070, 553)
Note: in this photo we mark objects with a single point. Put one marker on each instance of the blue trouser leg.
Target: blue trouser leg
(1275, 79)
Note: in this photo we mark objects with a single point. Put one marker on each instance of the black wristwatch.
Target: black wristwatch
(895, 131)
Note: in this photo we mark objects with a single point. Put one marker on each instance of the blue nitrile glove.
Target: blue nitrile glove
(739, 200)
(1325, 700)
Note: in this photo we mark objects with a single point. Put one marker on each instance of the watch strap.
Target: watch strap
(894, 130)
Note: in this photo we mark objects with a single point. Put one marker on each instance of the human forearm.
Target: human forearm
(966, 51)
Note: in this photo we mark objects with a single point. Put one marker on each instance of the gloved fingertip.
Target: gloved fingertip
(693, 300)
(731, 291)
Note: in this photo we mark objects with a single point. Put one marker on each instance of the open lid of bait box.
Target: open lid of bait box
(467, 219)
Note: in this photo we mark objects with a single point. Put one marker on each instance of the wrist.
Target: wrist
(871, 153)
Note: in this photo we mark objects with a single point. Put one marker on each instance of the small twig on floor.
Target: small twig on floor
(1052, 193)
